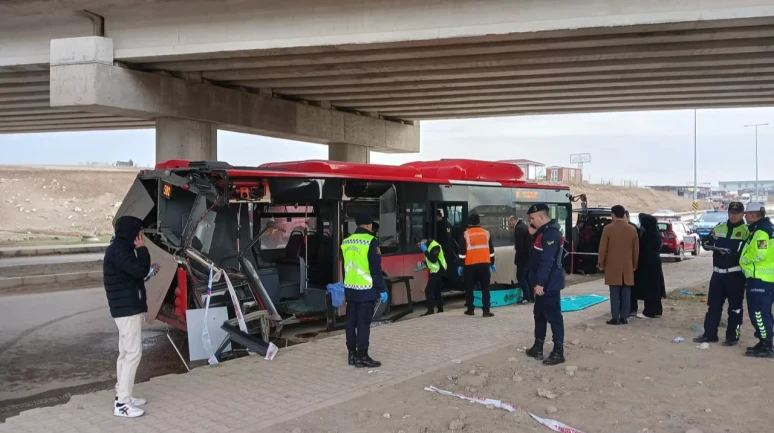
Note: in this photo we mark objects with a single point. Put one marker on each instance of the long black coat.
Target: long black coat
(125, 272)
(649, 277)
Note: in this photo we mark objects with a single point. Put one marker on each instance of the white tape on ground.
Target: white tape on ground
(510, 407)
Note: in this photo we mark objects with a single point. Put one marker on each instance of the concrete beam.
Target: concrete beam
(84, 78)
(569, 68)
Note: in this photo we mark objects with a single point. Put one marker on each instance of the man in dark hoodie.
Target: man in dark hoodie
(127, 263)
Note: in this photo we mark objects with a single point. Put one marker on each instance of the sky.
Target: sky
(652, 148)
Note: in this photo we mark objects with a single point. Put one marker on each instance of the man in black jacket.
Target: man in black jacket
(126, 265)
(522, 245)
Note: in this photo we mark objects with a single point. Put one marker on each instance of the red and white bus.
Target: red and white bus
(276, 229)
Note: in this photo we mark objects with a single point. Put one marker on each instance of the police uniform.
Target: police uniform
(435, 260)
(727, 280)
(546, 271)
(757, 263)
(363, 286)
(477, 254)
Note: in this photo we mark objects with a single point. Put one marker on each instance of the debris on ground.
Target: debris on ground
(541, 392)
(678, 340)
(456, 425)
(704, 346)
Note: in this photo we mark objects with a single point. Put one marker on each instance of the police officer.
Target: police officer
(477, 254)
(547, 274)
(363, 285)
(757, 262)
(435, 261)
(726, 241)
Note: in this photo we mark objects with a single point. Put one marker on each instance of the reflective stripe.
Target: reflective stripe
(727, 271)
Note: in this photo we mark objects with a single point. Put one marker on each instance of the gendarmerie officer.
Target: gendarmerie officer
(726, 242)
(547, 274)
(363, 286)
(477, 254)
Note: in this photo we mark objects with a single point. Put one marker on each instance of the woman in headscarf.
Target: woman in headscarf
(649, 277)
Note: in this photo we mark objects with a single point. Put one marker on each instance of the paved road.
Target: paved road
(63, 340)
(50, 260)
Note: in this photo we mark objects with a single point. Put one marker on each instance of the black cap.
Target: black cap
(537, 208)
(735, 207)
(364, 219)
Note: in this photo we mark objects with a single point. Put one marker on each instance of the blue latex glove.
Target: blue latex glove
(493, 268)
(459, 271)
(423, 247)
(383, 297)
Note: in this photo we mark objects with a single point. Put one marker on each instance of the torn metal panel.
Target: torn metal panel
(158, 285)
(137, 203)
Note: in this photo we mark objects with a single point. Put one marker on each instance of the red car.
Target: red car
(677, 238)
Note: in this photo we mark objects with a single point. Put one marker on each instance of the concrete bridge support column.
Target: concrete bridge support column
(349, 153)
(186, 139)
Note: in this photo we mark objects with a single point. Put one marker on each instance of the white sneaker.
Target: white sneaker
(127, 411)
(642, 316)
(134, 401)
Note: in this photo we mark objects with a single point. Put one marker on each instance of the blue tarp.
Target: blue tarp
(576, 303)
(337, 293)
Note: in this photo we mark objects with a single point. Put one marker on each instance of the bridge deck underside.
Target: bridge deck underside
(710, 64)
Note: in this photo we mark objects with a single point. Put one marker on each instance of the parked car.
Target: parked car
(677, 239)
(704, 225)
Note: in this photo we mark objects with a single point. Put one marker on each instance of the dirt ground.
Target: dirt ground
(626, 379)
(59, 201)
(56, 204)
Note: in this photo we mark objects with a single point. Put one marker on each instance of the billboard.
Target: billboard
(580, 158)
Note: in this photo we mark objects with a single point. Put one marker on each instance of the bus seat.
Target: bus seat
(293, 247)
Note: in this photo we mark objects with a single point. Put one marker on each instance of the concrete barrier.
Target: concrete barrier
(37, 280)
(50, 250)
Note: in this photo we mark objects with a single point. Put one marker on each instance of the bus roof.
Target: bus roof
(445, 171)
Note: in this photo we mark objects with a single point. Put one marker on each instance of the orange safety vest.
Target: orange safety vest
(477, 245)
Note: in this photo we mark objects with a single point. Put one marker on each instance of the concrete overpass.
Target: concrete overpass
(359, 75)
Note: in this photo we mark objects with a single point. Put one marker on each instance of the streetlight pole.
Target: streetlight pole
(756, 154)
(695, 182)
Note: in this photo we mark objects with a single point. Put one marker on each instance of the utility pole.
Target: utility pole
(756, 154)
(695, 183)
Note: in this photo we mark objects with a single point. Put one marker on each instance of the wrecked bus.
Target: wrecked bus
(276, 229)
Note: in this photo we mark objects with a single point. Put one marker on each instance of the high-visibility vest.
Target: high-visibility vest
(477, 246)
(757, 259)
(435, 267)
(357, 272)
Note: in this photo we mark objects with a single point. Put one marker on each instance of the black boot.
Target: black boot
(364, 361)
(704, 339)
(429, 312)
(536, 351)
(765, 351)
(440, 309)
(488, 314)
(757, 347)
(469, 312)
(351, 356)
(556, 356)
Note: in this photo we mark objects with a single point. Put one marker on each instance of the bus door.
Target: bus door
(449, 237)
